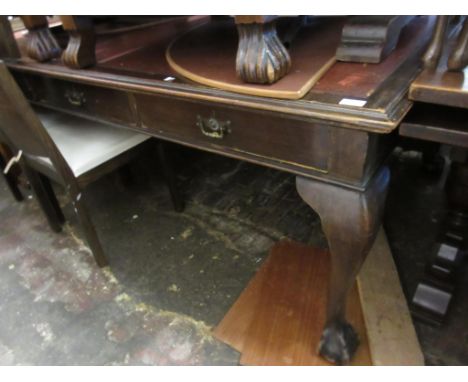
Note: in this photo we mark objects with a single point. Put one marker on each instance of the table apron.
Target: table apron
(313, 149)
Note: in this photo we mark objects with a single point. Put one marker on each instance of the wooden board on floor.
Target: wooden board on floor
(233, 329)
(390, 330)
(207, 55)
(279, 317)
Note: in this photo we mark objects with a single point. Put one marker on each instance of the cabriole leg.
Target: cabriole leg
(350, 220)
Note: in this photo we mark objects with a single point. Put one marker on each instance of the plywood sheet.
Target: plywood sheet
(390, 330)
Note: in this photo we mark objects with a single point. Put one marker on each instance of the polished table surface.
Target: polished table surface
(440, 86)
(440, 113)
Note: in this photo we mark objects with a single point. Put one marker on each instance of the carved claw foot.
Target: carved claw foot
(80, 52)
(261, 56)
(41, 44)
(339, 342)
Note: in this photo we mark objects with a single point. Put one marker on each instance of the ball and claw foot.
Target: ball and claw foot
(338, 343)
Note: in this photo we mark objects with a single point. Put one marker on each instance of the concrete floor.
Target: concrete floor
(173, 276)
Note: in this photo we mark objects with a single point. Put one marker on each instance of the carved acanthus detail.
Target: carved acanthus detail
(80, 52)
(261, 56)
(41, 44)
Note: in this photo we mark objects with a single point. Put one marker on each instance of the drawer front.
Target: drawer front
(265, 137)
(102, 103)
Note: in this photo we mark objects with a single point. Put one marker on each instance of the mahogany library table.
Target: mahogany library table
(335, 139)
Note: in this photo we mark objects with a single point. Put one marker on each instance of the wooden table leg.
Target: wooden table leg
(456, 190)
(459, 56)
(261, 56)
(350, 220)
(434, 293)
(80, 52)
(170, 177)
(434, 51)
(41, 44)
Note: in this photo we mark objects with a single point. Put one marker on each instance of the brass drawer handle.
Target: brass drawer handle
(213, 128)
(75, 97)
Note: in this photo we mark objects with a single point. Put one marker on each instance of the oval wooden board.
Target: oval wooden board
(207, 55)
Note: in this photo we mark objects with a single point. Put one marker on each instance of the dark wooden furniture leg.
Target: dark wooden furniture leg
(52, 197)
(80, 52)
(457, 195)
(41, 44)
(433, 294)
(125, 175)
(261, 56)
(8, 46)
(459, 56)
(434, 51)
(350, 220)
(10, 181)
(46, 198)
(170, 176)
(88, 227)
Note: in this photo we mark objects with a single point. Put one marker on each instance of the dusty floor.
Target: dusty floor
(174, 275)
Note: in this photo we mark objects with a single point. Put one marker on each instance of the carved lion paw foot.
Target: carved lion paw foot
(261, 56)
(338, 343)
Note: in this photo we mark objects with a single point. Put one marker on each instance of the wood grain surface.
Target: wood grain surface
(358, 80)
(279, 317)
(390, 331)
(441, 86)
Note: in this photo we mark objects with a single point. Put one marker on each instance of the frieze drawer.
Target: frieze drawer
(102, 103)
(265, 137)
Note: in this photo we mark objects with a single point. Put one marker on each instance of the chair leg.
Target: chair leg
(11, 182)
(46, 197)
(52, 197)
(170, 176)
(89, 230)
(125, 175)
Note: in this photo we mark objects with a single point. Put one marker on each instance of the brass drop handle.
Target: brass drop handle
(75, 98)
(213, 128)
